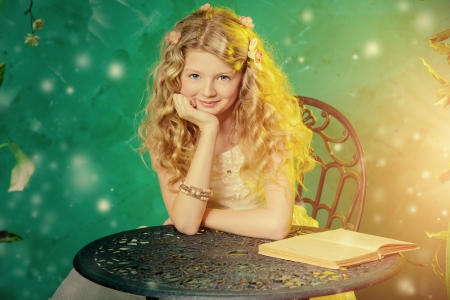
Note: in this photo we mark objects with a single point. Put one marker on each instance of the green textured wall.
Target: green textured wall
(70, 104)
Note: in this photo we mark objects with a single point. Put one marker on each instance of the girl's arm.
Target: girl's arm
(272, 222)
(185, 211)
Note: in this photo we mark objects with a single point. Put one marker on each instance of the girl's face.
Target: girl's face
(210, 82)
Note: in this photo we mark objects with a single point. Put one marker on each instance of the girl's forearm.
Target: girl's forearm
(260, 223)
(187, 211)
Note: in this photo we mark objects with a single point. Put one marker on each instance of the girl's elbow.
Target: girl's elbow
(187, 229)
(279, 231)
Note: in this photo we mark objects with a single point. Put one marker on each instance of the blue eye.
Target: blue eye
(223, 78)
(194, 76)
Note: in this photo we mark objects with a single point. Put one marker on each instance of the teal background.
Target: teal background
(70, 104)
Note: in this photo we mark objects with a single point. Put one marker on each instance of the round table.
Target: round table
(160, 262)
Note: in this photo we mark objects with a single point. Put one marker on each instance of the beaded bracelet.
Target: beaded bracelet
(201, 194)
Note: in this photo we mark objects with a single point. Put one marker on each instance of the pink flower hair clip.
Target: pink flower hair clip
(173, 37)
(247, 22)
(206, 7)
(253, 54)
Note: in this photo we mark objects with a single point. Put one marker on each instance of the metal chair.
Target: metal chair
(340, 174)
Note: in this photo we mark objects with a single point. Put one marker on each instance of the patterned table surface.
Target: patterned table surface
(160, 262)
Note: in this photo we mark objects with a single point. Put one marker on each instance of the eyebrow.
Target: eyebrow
(219, 73)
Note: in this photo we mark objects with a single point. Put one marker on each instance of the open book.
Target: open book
(334, 248)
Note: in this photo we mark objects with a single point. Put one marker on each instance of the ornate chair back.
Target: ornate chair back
(336, 188)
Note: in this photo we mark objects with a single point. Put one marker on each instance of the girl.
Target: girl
(223, 130)
(225, 136)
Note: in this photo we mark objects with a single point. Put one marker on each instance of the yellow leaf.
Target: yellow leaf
(439, 235)
(22, 170)
(444, 176)
(437, 44)
(443, 96)
(439, 78)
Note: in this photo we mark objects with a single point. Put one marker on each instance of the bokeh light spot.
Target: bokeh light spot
(103, 205)
(425, 174)
(82, 61)
(413, 209)
(406, 286)
(307, 16)
(403, 6)
(301, 59)
(69, 90)
(115, 70)
(372, 49)
(47, 85)
(444, 212)
(355, 56)
(416, 136)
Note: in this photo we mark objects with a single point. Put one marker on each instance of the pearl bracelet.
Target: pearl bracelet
(198, 193)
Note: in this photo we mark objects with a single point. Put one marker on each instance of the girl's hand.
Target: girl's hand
(187, 109)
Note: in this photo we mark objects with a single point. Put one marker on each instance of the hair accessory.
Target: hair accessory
(253, 54)
(162, 77)
(173, 37)
(247, 22)
(206, 7)
(198, 193)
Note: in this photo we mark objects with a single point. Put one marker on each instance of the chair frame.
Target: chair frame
(358, 158)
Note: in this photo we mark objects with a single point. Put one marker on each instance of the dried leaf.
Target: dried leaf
(441, 36)
(8, 237)
(443, 96)
(444, 176)
(439, 235)
(22, 170)
(439, 78)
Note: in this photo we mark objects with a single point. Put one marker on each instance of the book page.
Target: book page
(311, 250)
(362, 240)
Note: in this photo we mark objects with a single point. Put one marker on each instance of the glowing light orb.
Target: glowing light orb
(444, 212)
(301, 59)
(47, 85)
(36, 199)
(377, 219)
(53, 166)
(381, 163)
(403, 6)
(103, 205)
(69, 90)
(355, 56)
(413, 209)
(406, 286)
(409, 190)
(381, 131)
(307, 16)
(424, 21)
(113, 223)
(337, 147)
(416, 136)
(115, 70)
(372, 49)
(83, 61)
(425, 174)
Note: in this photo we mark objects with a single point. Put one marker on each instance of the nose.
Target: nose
(208, 89)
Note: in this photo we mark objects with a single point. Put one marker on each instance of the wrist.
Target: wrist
(210, 128)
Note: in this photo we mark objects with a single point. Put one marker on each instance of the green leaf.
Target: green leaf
(2, 70)
(439, 235)
(22, 170)
(8, 237)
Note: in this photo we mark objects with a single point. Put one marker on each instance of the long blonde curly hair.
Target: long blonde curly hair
(267, 117)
